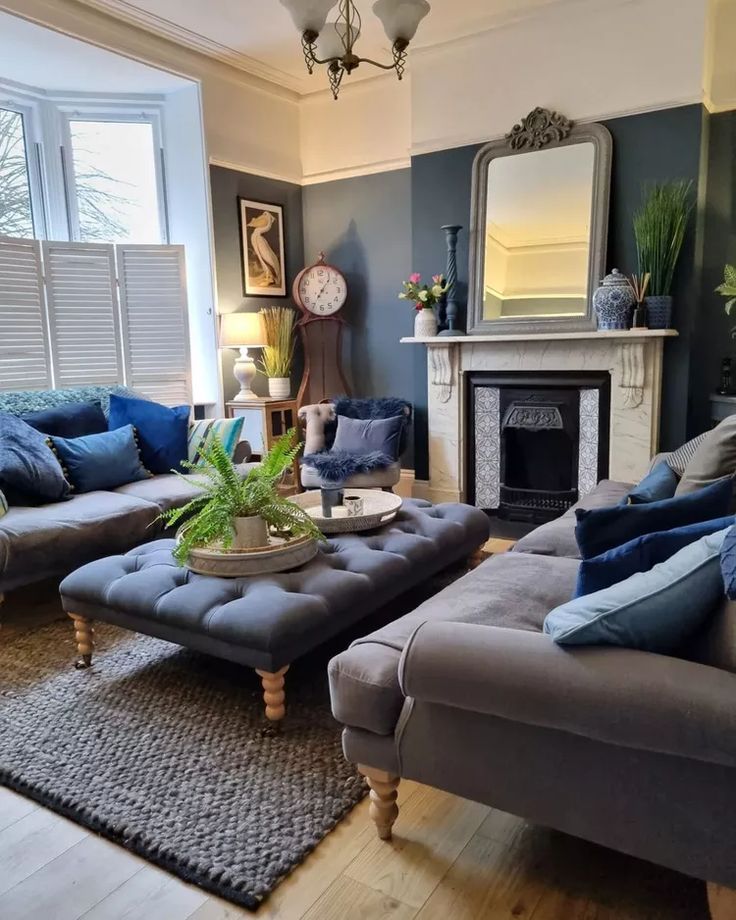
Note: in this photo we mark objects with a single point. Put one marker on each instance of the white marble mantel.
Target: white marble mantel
(632, 357)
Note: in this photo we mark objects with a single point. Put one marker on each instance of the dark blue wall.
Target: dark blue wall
(648, 147)
(227, 185)
(364, 226)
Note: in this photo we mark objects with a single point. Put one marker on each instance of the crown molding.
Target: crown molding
(293, 179)
(353, 172)
(165, 28)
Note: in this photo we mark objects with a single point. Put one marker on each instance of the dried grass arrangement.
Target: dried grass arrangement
(278, 353)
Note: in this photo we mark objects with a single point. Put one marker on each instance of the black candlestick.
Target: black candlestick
(452, 307)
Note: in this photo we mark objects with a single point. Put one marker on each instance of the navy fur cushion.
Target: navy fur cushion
(30, 474)
(339, 465)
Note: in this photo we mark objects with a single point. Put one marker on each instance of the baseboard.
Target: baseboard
(422, 489)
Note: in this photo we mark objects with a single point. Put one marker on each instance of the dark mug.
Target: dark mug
(331, 498)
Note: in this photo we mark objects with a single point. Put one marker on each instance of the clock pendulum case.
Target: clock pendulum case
(320, 292)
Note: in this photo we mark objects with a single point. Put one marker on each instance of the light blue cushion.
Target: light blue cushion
(3, 505)
(100, 461)
(655, 486)
(654, 611)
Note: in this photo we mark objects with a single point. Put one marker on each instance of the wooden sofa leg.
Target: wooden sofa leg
(273, 693)
(384, 791)
(85, 636)
(722, 902)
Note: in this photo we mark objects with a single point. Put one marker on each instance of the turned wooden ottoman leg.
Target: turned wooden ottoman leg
(722, 902)
(85, 636)
(273, 693)
(384, 791)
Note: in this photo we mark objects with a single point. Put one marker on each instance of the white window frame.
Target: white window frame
(122, 115)
(34, 155)
(46, 118)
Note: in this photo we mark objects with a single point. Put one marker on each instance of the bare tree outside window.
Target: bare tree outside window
(16, 213)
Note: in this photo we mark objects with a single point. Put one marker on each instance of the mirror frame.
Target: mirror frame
(540, 130)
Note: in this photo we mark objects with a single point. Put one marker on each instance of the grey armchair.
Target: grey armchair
(631, 750)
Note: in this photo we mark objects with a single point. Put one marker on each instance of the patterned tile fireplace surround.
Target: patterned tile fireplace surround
(633, 359)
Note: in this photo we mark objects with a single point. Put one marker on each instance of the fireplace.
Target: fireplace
(539, 440)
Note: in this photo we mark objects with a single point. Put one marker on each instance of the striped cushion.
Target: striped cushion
(3, 504)
(228, 430)
(680, 458)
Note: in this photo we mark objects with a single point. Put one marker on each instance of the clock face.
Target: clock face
(322, 290)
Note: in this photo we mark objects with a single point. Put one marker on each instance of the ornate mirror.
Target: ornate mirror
(539, 227)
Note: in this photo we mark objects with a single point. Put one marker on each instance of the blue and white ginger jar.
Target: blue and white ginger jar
(614, 301)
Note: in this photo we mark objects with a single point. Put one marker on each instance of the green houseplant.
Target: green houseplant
(237, 512)
(278, 352)
(659, 230)
(728, 289)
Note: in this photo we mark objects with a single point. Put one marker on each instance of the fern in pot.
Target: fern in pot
(659, 230)
(278, 352)
(237, 512)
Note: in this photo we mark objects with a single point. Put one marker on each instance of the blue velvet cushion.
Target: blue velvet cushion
(73, 420)
(660, 483)
(162, 432)
(362, 436)
(655, 611)
(728, 563)
(100, 461)
(640, 554)
(29, 472)
(600, 529)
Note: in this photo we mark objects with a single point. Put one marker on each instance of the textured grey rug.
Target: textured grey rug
(167, 752)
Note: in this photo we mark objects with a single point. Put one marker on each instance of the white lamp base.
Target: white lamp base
(245, 371)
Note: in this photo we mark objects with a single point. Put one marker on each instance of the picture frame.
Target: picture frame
(262, 248)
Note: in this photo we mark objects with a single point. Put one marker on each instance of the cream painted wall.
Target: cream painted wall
(589, 60)
(249, 124)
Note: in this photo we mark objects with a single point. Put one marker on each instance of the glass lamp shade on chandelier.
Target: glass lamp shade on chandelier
(333, 43)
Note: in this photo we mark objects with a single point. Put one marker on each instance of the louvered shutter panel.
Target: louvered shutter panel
(84, 313)
(153, 301)
(24, 355)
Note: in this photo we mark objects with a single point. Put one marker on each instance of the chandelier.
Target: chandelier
(333, 43)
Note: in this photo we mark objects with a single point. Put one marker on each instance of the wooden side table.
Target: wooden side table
(265, 419)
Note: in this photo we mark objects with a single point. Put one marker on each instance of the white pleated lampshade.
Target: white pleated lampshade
(309, 15)
(400, 18)
(331, 41)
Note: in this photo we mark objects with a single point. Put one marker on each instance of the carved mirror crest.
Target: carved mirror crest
(539, 226)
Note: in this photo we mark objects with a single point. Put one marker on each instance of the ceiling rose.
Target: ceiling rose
(333, 43)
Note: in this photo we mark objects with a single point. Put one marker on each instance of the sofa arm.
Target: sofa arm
(612, 695)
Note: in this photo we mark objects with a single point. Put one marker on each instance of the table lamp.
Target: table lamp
(243, 331)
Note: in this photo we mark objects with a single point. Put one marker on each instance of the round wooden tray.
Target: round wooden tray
(279, 556)
(378, 508)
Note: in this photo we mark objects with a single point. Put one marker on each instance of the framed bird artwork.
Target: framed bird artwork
(262, 248)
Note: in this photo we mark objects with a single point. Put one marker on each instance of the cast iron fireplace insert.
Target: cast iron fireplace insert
(538, 440)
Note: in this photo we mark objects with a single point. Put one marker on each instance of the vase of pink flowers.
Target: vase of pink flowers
(425, 298)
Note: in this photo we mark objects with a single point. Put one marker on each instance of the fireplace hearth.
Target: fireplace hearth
(540, 441)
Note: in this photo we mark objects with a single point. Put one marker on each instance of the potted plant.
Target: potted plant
(237, 512)
(425, 297)
(728, 289)
(659, 229)
(278, 352)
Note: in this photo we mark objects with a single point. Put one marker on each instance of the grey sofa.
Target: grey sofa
(49, 541)
(631, 750)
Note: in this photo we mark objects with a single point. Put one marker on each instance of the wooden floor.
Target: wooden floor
(450, 859)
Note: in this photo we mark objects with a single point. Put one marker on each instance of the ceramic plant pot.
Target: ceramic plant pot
(279, 387)
(613, 302)
(250, 532)
(659, 311)
(425, 323)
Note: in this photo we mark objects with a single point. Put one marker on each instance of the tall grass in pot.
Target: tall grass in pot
(278, 353)
(659, 229)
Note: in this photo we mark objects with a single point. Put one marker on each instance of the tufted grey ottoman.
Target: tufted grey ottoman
(267, 621)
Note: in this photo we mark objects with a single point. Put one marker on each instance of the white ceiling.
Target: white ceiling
(40, 57)
(259, 36)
